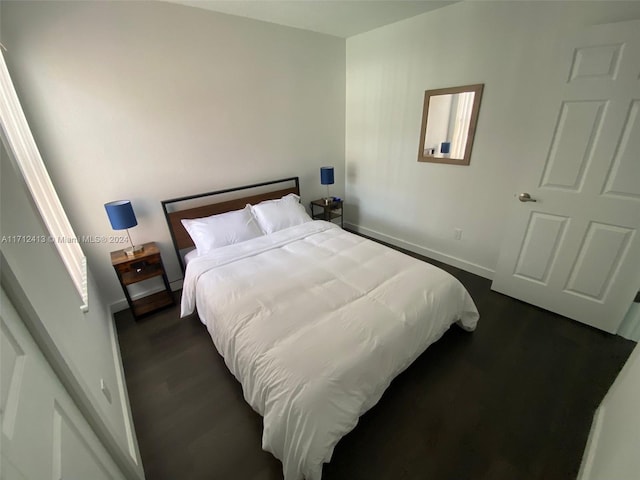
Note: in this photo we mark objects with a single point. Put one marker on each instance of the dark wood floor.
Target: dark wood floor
(513, 400)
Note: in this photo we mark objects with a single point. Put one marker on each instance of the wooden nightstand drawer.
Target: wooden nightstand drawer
(138, 271)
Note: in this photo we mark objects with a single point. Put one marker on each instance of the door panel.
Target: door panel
(625, 169)
(598, 260)
(44, 435)
(540, 247)
(12, 371)
(576, 250)
(600, 61)
(574, 138)
(73, 457)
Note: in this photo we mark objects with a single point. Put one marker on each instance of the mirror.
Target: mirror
(449, 121)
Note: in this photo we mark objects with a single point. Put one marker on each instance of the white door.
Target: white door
(44, 435)
(576, 250)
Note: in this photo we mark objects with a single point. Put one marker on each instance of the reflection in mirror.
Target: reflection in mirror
(449, 123)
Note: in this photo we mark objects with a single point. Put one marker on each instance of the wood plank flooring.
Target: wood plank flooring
(513, 400)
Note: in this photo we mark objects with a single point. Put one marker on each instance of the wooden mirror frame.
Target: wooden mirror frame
(477, 89)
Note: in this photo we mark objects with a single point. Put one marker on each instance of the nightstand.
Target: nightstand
(328, 211)
(137, 268)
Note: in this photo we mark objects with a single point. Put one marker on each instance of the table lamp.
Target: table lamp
(326, 178)
(122, 217)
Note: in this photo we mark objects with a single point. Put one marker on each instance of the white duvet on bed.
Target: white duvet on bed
(315, 322)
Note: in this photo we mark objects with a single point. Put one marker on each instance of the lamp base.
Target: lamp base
(328, 200)
(130, 252)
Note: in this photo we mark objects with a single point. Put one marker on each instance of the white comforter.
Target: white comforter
(315, 322)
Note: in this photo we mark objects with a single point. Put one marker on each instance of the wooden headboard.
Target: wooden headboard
(174, 214)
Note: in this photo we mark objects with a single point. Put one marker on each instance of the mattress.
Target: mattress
(315, 323)
(190, 255)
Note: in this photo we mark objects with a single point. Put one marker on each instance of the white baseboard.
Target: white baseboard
(132, 440)
(427, 252)
(592, 444)
(120, 305)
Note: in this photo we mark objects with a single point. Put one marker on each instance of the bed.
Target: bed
(314, 321)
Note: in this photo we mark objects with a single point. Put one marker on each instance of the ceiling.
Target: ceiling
(341, 18)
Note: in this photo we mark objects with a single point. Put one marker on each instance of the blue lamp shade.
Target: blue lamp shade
(326, 175)
(121, 214)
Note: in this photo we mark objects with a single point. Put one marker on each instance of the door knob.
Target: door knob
(525, 197)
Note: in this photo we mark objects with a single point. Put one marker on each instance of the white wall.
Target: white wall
(85, 340)
(614, 443)
(506, 46)
(147, 101)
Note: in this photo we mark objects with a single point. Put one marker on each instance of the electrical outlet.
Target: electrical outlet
(458, 233)
(105, 390)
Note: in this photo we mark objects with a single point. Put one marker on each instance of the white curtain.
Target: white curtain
(22, 149)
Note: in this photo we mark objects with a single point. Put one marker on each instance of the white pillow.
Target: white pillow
(274, 215)
(221, 230)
